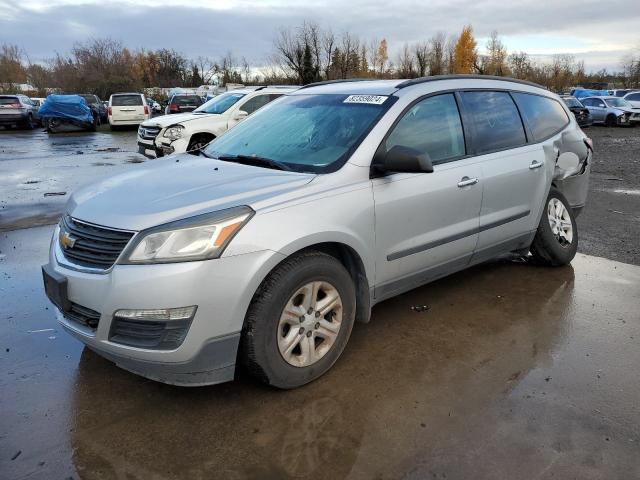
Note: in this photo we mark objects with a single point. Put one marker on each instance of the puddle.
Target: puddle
(627, 192)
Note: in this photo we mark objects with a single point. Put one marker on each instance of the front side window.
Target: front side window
(126, 100)
(495, 120)
(431, 126)
(633, 96)
(220, 104)
(255, 103)
(545, 116)
(307, 133)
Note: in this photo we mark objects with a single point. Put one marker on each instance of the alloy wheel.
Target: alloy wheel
(560, 222)
(309, 324)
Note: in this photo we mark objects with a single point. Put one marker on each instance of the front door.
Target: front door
(427, 223)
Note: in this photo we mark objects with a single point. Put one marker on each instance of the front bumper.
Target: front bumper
(222, 289)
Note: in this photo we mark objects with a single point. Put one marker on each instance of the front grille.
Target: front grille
(83, 316)
(148, 133)
(149, 334)
(89, 245)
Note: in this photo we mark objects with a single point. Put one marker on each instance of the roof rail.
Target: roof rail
(435, 78)
(329, 82)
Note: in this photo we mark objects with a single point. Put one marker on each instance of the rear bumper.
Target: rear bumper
(13, 118)
(113, 121)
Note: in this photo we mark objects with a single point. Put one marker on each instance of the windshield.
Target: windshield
(572, 102)
(617, 102)
(220, 104)
(307, 133)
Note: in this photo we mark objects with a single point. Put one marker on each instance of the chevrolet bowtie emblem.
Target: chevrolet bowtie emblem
(66, 240)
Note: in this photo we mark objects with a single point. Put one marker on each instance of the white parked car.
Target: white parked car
(127, 109)
(633, 98)
(189, 132)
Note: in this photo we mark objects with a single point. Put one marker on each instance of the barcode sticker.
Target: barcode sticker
(369, 99)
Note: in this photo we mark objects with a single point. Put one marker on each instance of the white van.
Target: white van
(127, 109)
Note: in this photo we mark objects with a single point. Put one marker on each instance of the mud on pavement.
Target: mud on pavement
(514, 371)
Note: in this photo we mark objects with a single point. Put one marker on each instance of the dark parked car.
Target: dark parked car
(583, 117)
(18, 110)
(96, 105)
(183, 103)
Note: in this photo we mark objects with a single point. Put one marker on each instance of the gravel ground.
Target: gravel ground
(610, 223)
(34, 164)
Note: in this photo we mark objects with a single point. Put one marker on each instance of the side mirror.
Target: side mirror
(405, 159)
(241, 115)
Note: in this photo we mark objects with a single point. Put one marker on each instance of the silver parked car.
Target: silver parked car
(18, 110)
(611, 111)
(265, 249)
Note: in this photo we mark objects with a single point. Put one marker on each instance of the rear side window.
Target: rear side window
(431, 126)
(545, 116)
(495, 121)
(126, 100)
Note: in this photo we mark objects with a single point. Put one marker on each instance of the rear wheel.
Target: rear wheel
(299, 320)
(28, 123)
(611, 120)
(556, 240)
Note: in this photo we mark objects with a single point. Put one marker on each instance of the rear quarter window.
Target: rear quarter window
(126, 100)
(495, 121)
(545, 116)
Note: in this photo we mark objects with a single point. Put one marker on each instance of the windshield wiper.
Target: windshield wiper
(256, 161)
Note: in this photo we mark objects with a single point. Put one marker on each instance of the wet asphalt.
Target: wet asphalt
(514, 371)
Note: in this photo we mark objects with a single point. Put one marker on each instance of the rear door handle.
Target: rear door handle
(466, 181)
(535, 164)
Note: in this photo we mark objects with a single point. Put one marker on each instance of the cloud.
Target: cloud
(600, 35)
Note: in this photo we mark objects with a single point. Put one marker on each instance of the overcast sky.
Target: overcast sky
(598, 32)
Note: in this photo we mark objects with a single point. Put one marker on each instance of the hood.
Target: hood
(167, 120)
(178, 187)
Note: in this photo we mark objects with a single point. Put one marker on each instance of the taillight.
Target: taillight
(146, 110)
(109, 111)
(589, 143)
(173, 107)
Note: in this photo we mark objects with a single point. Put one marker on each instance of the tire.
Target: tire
(555, 249)
(28, 123)
(267, 326)
(197, 142)
(113, 128)
(611, 120)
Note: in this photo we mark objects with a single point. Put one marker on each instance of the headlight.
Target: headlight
(197, 238)
(174, 132)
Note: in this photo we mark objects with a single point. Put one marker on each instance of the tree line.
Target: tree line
(301, 55)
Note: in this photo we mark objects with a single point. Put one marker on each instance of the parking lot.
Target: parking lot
(514, 371)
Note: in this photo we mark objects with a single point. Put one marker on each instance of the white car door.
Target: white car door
(426, 223)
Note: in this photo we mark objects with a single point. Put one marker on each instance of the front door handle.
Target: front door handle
(535, 164)
(466, 181)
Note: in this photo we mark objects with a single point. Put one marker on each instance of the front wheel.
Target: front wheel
(299, 321)
(611, 121)
(556, 240)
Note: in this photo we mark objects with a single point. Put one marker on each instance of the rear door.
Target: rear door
(127, 107)
(513, 172)
(426, 223)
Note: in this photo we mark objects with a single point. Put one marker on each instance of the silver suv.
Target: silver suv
(265, 249)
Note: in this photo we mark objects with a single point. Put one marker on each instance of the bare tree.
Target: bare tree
(405, 62)
(421, 52)
(436, 57)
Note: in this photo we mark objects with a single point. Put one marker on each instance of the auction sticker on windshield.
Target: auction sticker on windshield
(370, 99)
